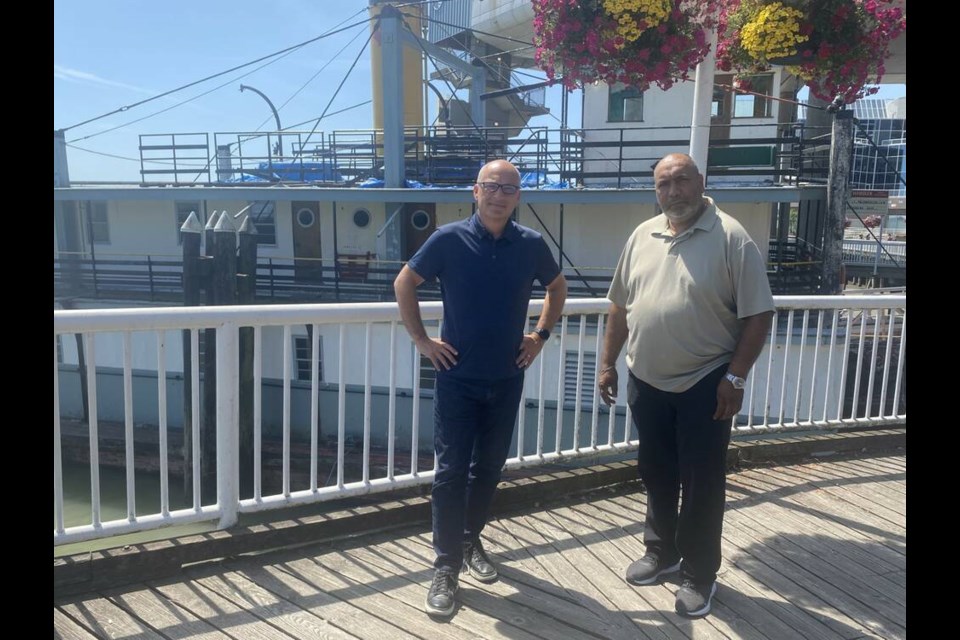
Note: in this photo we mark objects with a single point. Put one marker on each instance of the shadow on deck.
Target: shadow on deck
(814, 547)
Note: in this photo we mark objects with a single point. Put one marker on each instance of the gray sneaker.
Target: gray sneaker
(649, 568)
(476, 562)
(441, 598)
(694, 599)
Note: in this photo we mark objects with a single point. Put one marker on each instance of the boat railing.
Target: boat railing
(258, 407)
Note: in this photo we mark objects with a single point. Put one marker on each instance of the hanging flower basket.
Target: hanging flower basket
(838, 47)
(635, 42)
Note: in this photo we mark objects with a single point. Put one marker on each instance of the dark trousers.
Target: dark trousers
(473, 427)
(682, 457)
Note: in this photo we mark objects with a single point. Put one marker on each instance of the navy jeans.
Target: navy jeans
(473, 427)
(683, 450)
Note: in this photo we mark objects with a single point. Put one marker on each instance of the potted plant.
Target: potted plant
(634, 42)
(837, 47)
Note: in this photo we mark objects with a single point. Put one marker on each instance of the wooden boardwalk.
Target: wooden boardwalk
(813, 550)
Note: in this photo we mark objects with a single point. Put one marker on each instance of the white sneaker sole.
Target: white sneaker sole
(443, 613)
(704, 610)
(479, 576)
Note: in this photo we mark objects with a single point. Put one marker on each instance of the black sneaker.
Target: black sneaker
(694, 599)
(649, 568)
(440, 598)
(476, 562)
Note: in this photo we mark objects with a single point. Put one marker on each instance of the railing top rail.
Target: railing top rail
(171, 318)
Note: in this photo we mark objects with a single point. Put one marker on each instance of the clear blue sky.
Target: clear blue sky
(111, 53)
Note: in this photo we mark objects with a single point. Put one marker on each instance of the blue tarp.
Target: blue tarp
(291, 172)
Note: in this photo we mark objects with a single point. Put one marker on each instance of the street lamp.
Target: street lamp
(276, 115)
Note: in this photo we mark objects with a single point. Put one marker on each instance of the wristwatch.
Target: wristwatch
(736, 381)
(542, 333)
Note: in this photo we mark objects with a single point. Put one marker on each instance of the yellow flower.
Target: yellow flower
(774, 32)
(628, 13)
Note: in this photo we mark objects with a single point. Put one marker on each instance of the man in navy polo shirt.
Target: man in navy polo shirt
(486, 266)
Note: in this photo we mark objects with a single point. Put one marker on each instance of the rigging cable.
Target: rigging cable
(210, 77)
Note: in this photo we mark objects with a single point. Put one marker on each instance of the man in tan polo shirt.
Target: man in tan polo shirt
(690, 298)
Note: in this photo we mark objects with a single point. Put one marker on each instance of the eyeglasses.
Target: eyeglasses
(491, 187)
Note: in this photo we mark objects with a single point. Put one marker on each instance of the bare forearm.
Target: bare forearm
(752, 338)
(553, 303)
(614, 337)
(405, 288)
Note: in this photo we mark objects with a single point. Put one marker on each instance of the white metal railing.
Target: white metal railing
(887, 252)
(830, 362)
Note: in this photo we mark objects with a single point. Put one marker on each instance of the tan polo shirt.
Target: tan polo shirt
(685, 296)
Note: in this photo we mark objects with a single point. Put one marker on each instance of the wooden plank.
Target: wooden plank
(476, 611)
(877, 467)
(107, 620)
(545, 597)
(855, 509)
(810, 626)
(842, 509)
(314, 615)
(888, 489)
(478, 596)
(590, 577)
(468, 620)
(555, 569)
(875, 489)
(766, 609)
(304, 583)
(740, 555)
(166, 617)
(67, 628)
(818, 554)
(842, 538)
(798, 499)
(723, 622)
(517, 565)
(870, 610)
(390, 590)
(218, 611)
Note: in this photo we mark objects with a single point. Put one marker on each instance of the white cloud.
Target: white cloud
(84, 77)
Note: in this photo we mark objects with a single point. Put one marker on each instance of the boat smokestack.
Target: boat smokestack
(412, 69)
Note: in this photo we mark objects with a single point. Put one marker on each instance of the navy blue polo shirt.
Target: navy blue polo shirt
(485, 285)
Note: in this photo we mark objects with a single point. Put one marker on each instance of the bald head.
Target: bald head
(679, 187)
(501, 167)
(676, 159)
(497, 193)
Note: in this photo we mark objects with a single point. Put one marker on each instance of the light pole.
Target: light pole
(276, 115)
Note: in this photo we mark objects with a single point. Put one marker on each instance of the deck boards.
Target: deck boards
(813, 550)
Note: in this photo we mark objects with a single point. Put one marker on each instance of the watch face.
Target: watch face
(737, 382)
(543, 333)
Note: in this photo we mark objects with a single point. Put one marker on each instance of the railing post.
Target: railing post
(228, 441)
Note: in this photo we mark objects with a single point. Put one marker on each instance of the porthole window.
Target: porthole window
(420, 220)
(361, 218)
(306, 217)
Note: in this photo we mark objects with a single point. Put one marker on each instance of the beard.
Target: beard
(679, 213)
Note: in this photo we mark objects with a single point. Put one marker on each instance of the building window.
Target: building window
(588, 380)
(302, 347)
(625, 104)
(263, 218)
(183, 210)
(716, 104)
(98, 225)
(747, 105)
